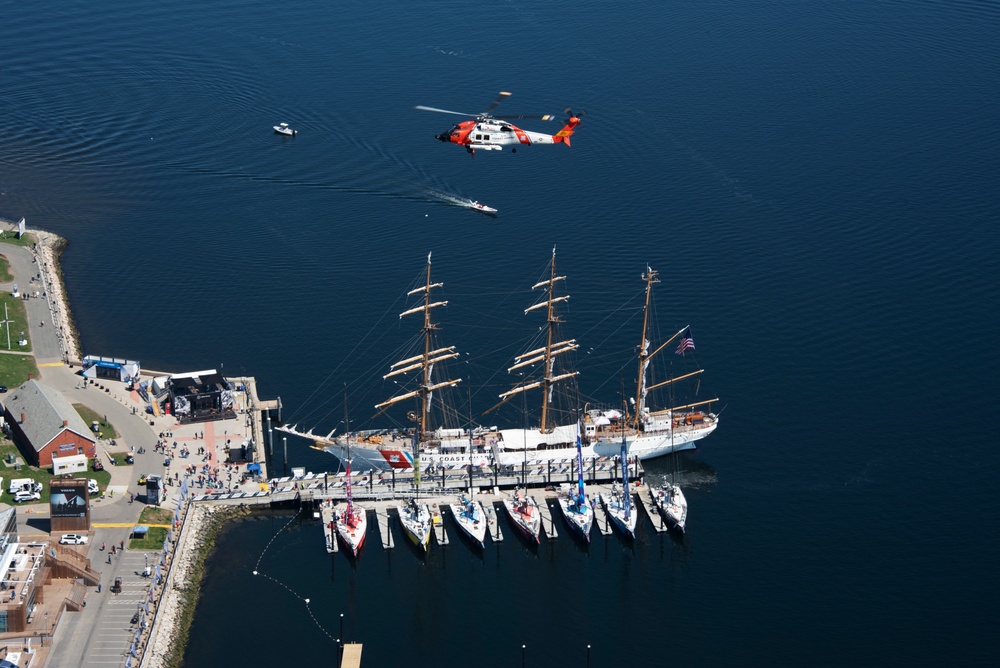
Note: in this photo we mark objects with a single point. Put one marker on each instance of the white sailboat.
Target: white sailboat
(618, 503)
(351, 520)
(525, 515)
(416, 520)
(673, 505)
(575, 508)
(471, 518)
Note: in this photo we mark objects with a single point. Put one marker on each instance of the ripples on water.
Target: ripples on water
(815, 185)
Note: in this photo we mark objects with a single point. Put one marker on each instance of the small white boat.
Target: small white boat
(416, 520)
(482, 208)
(524, 513)
(283, 129)
(471, 519)
(673, 505)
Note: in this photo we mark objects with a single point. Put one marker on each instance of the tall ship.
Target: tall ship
(649, 431)
(424, 444)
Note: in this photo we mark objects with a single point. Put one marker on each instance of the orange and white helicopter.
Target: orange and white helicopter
(492, 133)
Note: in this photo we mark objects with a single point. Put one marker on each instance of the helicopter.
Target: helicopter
(492, 133)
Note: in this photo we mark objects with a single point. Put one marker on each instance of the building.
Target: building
(201, 396)
(43, 424)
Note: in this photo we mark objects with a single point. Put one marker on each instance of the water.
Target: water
(815, 184)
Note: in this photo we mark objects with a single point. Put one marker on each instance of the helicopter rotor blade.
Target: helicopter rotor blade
(442, 111)
(500, 98)
(537, 117)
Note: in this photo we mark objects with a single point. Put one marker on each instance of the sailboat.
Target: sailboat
(470, 518)
(416, 520)
(575, 507)
(351, 521)
(525, 515)
(618, 503)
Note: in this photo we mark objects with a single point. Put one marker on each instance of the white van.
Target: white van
(92, 486)
(23, 485)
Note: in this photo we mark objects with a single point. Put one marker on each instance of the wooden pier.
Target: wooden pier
(382, 516)
(652, 509)
(601, 520)
(437, 522)
(329, 533)
(492, 522)
(548, 525)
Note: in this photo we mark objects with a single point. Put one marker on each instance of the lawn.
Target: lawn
(107, 430)
(41, 476)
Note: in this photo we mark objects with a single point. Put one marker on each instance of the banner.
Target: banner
(20, 229)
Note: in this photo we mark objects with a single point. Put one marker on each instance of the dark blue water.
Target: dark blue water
(815, 183)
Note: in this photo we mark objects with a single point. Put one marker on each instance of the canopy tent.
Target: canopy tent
(140, 531)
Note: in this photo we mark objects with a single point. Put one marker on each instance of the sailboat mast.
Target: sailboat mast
(640, 401)
(347, 429)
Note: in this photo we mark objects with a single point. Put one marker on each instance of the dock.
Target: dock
(382, 517)
(437, 522)
(492, 522)
(329, 533)
(548, 525)
(352, 655)
(646, 501)
(600, 517)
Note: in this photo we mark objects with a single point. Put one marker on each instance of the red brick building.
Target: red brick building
(43, 424)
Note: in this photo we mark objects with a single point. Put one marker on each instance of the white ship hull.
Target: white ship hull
(615, 507)
(525, 515)
(352, 535)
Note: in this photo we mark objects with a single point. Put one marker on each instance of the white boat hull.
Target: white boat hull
(352, 535)
(673, 506)
(471, 519)
(524, 513)
(580, 520)
(417, 524)
(615, 508)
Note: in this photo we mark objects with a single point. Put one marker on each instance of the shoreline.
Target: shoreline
(48, 250)
(175, 609)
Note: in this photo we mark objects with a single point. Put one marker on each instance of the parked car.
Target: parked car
(73, 539)
(129, 459)
(3, 388)
(98, 466)
(92, 486)
(21, 497)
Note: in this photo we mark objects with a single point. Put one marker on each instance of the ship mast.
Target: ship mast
(547, 354)
(640, 391)
(425, 361)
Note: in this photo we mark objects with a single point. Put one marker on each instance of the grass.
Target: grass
(154, 539)
(107, 430)
(11, 238)
(5, 275)
(15, 369)
(41, 476)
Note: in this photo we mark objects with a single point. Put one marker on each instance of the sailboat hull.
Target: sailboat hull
(527, 519)
(352, 534)
(615, 508)
(579, 522)
(471, 520)
(416, 524)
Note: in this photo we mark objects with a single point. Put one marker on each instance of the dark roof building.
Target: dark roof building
(43, 424)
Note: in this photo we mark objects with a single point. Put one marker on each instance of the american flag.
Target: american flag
(687, 343)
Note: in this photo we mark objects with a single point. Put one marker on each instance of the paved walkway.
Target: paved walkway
(101, 633)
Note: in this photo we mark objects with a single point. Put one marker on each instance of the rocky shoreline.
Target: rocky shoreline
(195, 540)
(48, 250)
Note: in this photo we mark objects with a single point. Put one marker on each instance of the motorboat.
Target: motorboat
(673, 505)
(482, 208)
(524, 513)
(283, 129)
(471, 519)
(416, 520)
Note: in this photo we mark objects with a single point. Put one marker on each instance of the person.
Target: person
(98, 587)
(102, 547)
(109, 557)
